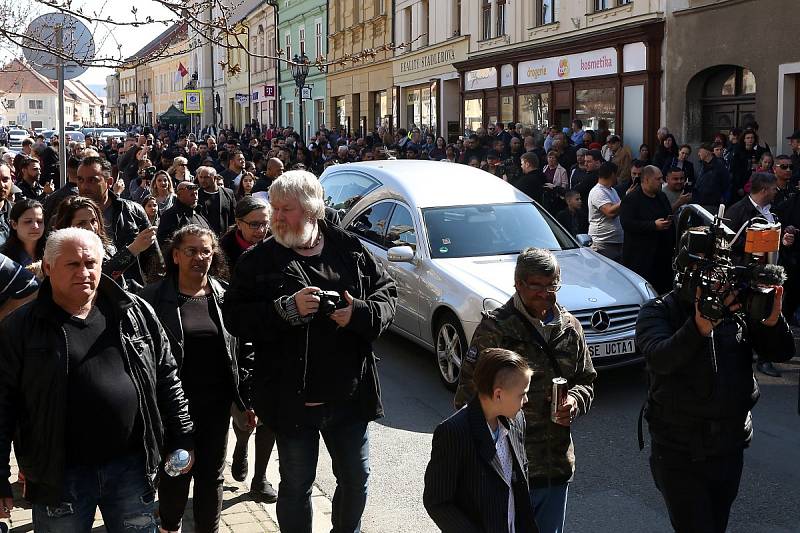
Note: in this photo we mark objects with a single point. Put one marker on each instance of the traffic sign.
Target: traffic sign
(42, 36)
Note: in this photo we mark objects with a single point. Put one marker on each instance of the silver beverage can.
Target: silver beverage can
(559, 397)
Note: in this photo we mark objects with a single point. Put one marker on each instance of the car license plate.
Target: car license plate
(608, 349)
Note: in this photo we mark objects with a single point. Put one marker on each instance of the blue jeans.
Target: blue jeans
(120, 488)
(550, 507)
(347, 440)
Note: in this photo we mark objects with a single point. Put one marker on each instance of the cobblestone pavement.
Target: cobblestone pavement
(239, 514)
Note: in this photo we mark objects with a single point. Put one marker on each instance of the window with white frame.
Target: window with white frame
(302, 41)
(546, 12)
(501, 18)
(288, 45)
(486, 19)
(35, 104)
(318, 38)
(10, 104)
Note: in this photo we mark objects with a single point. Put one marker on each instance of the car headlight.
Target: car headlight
(490, 304)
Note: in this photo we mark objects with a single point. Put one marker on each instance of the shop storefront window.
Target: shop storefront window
(534, 110)
(506, 109)
(594, 105)
(290, 114)
(319, 110)
(341, 112)
(425, 108)
(473, 114)
(381, 108)
(434, 106)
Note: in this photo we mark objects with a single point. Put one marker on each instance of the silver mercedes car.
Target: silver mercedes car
(450, 234)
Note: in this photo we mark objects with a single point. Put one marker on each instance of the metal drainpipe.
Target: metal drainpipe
(277, 70)
(211, 52)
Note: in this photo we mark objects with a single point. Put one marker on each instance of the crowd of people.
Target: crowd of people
(146, 292)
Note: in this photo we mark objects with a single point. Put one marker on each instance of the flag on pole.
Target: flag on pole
(182, 69)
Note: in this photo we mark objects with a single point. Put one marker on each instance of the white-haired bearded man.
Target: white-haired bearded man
(315, 372)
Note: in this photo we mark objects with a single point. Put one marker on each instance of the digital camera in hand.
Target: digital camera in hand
(330, 301)
(703, 261)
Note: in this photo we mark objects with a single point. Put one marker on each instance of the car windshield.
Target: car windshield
(499, 229)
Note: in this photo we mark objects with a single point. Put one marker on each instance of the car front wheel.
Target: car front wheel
(451, 345)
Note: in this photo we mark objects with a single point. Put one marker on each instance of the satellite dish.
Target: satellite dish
(77, 45)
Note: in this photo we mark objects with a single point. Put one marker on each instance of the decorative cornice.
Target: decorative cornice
(496, 41)
(539, 31)
(608, 14)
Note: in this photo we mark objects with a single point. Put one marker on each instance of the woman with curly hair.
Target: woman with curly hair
(82, 212)
(188, 303)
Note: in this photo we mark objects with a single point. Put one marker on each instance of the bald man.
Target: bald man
(274, 169)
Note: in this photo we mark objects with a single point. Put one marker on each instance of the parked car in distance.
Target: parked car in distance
(15, 138)
(449, 236)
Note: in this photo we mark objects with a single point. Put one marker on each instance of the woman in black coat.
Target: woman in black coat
(188, 303)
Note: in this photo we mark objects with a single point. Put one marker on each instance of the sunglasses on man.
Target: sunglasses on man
(785, 166)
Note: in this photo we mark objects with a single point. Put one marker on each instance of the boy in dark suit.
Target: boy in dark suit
(477, 478)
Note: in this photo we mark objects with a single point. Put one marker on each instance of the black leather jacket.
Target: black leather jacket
(33, 389)
(702, 388)
(127, 220)
(265, 278)
(163, 296)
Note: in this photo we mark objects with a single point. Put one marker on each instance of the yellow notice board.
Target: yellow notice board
(192, 102)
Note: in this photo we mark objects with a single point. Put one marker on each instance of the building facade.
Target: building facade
(260, 24)
(712, 88)
(303, 29)
(427, 91)
(31, 101)
(547, 62)
(359, 92)
(112, 115)
(147, 89)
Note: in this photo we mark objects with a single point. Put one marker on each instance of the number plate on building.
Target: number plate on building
(608, 349)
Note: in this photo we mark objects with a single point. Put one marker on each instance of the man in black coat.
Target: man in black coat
(217, 204)
(713, 180)
(702, 391)
(477, 477)
(763, 187)
(184, 211)
(530, 180)
(103, 403)
(124, 220)
(646, 218)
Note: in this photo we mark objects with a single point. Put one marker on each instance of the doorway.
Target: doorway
(719, 99)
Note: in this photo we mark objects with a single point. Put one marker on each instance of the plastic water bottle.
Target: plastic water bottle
(3, 527)
(177, 461)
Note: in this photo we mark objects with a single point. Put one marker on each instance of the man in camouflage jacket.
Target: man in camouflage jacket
(548, 444)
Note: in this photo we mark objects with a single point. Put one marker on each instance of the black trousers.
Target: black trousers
(265, 442)
(698, 494)
(211, 418)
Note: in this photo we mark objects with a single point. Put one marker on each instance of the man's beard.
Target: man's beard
(290, 238)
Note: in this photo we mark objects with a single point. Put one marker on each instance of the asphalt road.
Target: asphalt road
(612, 491)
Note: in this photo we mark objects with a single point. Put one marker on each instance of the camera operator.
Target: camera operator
(702, 389)
(315, 372)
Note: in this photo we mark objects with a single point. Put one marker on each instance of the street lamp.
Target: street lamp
(299, 73)
(218, 108)
(145, 99)
(102, 115)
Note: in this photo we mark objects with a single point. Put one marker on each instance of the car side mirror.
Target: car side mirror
(584, 240)
(400, 254)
